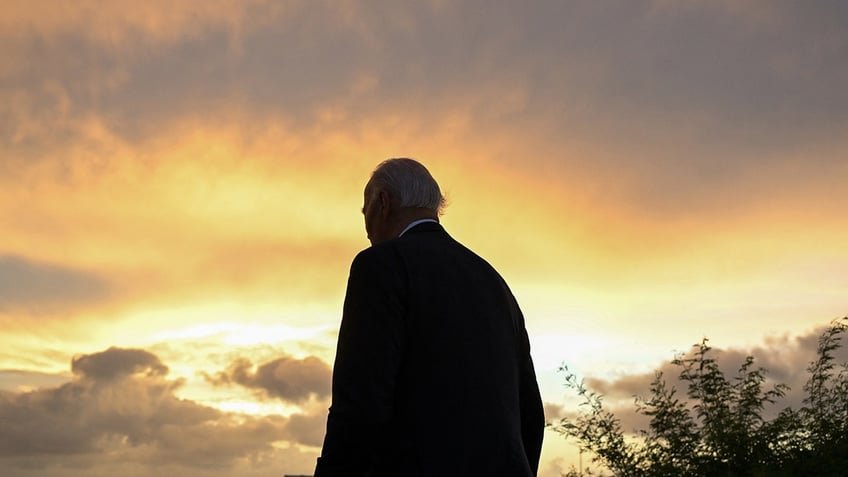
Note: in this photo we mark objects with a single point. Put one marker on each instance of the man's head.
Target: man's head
(400, 191)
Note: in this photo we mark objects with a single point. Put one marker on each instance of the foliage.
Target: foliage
(718, 428)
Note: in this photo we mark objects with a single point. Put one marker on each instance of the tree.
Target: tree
(718, 428)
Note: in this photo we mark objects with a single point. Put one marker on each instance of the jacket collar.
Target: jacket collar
(425, 227)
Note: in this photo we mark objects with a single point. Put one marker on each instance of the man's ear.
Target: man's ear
(385, 204)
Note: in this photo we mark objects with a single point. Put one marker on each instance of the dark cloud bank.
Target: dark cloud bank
(758, 78)
(121, 407)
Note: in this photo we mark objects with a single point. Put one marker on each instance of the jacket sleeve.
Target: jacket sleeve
(532, 409)
(368, 357)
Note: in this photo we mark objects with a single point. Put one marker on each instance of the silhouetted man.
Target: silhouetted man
(433, 375)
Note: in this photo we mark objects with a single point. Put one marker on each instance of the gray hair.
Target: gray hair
(408, 182)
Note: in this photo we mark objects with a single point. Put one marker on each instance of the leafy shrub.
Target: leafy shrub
(718, 428)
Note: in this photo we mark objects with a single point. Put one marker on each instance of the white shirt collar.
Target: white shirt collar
(413, 224)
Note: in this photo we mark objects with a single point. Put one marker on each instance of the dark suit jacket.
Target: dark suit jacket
(433, 375)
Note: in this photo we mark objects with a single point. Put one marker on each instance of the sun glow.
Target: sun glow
(256, 324)
(253, 408)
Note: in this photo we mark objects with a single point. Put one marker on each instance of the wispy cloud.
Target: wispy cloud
(33, 286)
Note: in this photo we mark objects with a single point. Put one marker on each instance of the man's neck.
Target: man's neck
(407, 216)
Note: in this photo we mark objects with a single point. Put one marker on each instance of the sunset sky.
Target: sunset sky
(181, 185)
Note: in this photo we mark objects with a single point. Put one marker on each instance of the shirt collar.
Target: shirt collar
(413, 224)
